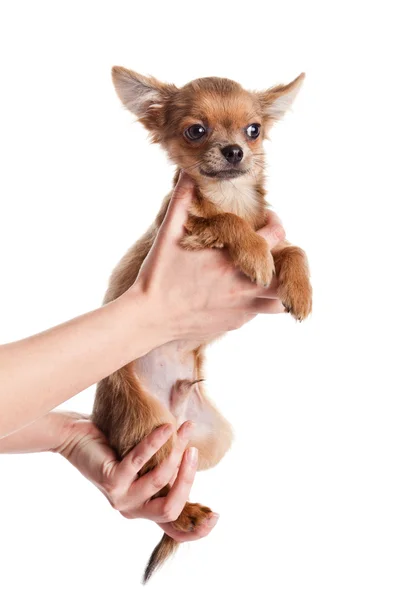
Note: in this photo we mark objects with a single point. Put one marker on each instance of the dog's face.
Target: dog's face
(211, 127)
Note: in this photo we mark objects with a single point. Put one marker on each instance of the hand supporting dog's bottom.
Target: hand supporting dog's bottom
(87, 449)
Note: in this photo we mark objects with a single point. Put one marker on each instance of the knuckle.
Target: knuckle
(138, 462)
(126, 514)
(170, 513)
(148, 445)
(158, 481)
(153, 444)
(109, 488)
(115, 500)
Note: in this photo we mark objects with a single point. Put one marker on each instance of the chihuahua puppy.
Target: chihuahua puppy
(213, 129)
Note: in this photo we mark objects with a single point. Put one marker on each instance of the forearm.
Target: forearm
(45, 434)
(39, 373)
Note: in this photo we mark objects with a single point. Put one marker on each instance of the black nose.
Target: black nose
(233, 154)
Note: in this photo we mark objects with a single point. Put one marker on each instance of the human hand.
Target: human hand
(201, 294)
(87, 449)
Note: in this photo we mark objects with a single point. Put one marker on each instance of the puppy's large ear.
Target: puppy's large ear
(277, 100)
(144, 96)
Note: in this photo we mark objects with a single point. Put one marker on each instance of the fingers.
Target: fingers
(190, 536)
(273, 232)
(180, 490)
(267, 306)
(169, 508)
(259, 291)
(154, 481)
(176, 215)
(130, 466)
(271, 291)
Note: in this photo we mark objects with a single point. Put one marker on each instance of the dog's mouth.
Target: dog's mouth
(224, 173)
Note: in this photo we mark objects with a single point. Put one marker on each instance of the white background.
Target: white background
(309, 495)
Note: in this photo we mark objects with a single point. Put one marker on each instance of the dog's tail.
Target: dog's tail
(192, 516)
(160, 554)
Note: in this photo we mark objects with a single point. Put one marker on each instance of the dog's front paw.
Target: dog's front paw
(198, 241)
(200, 236)
(294, 289)
(296, 297)
(256, 261)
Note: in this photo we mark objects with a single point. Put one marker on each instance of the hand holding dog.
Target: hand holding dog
(201, 293)
(85, 447)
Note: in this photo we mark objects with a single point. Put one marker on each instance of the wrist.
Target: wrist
(148, 325)
(64, 429)
(76, 427)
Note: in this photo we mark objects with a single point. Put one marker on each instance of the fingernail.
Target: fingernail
(212, 520)
(165, 428)
(192, 455)
(188, 428)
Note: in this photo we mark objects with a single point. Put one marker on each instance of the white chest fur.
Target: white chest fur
(237, 196)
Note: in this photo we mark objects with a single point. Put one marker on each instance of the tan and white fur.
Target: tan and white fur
(213, 129)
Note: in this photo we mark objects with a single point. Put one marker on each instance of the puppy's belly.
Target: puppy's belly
(159, 370)
(169, 375)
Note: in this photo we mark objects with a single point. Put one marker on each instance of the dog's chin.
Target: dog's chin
(223, 173)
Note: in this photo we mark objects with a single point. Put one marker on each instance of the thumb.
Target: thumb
(177, 212)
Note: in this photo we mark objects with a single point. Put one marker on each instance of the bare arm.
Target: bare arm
(40, 372)
(44, 435)
(166, 303)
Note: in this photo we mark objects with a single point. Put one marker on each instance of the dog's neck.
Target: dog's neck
(238, 196)
(243, 196)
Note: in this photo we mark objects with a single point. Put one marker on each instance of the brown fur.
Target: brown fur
(226, 213)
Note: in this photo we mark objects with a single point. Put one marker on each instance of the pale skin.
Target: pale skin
(166, 303)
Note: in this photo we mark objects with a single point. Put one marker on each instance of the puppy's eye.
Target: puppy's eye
(253, 130)
(195, 132)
